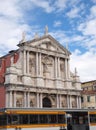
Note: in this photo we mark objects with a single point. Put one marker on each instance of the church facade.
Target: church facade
(38, 75)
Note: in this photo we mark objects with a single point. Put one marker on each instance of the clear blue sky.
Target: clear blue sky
(71, 22)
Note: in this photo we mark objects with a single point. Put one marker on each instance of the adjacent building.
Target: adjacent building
(89, 94)
(38, 74)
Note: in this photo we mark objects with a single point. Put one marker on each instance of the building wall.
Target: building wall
(2, 96)
(89, 94)
(39, 71)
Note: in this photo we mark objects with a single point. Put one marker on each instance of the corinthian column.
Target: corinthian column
(36, 63)
(40, 64)
(24, 99)
(24, 60)
(58, 67)
(66, 68)
(10, 99)
(37, 100)
(14, 98)
(7, 99)
(68, 101)
(27, 62)
(40, 100)
(55, 67)
(57, 100)
(28, 99)
(60, 105)
(79, 101)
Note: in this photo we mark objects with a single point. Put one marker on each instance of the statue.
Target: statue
(36, 36)
(46, 30)
(23, 37)
(75, 71)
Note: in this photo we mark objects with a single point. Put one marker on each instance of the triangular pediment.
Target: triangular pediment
(47, 42)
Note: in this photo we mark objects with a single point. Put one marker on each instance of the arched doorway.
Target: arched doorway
(46, 102)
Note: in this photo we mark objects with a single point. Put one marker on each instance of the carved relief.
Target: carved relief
(47, 62)
(32, 64)
(31, 103)
(32, 99)
(19, 103)
(74, 103)
(19, 78)
(62, 67)
(64, 103)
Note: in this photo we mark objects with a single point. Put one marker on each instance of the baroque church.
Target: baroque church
(38, 75)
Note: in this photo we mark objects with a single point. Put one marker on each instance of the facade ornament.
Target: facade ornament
(64, 103)
(23, 37)
(47, 61)
(67, 49)
(46, 30)
(31, 64)
(67, 46)
(36, 36)
(62, 67)
(75, 71)
(73, 103)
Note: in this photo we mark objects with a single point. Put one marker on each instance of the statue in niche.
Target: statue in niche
(64, 103)
(31, 103)
(74, 103)
(23, 37)
(46, 30)
(19, 103)
(62, 67)
(47, 62)
(31, 65)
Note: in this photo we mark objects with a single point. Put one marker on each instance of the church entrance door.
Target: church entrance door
(46, 102)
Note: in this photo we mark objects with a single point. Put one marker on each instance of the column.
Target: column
(68, 69)
(57, 99)
(14, 98)
(7, 99)
(58, 67)
(24, 60)
(60, 105)
(24, 99)
(68, 101)
(28, 99)
(36, 63)
(40, 69)
(10, 99)
(65, 69)
(55, 67)
(77, 105)
(40, 100)
(37, 100)
(27, 62)
(79, 101)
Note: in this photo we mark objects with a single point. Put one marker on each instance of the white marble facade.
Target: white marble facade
(42, 77)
